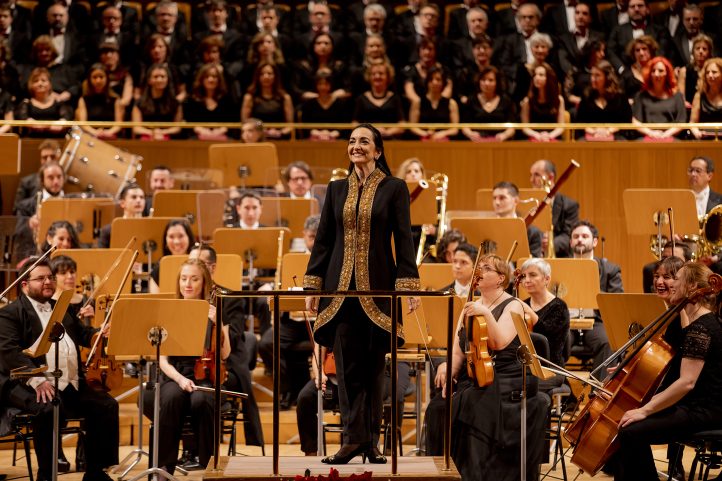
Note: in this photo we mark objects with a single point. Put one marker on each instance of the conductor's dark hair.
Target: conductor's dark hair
(381, 162)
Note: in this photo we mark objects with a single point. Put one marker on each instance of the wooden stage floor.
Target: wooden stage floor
(258, 468)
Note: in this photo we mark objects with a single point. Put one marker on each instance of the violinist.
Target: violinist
(178, 396)
(486, 420)
(65, 271)
(21, 323)
(693, 401)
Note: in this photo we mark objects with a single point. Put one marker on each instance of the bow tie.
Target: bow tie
(45, 308)
(639, 26)
(579, 34)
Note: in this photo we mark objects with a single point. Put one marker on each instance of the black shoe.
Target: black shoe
(63, 463)
(374, 456)
(96, 476)
(285, 403)
(678, 473)
(192, 464)
(346, 454)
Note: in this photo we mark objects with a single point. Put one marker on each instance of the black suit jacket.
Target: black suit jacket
(565, 213)
(715, 199)
(250, 16)
(458, 27)
(20, 327)
(568, 51)
(609, 19)
(78, 18)
(622, 35)
(20, 44)
(510, 54)
(22, 19)
(504, 23)
(610, 276)
(27, 188)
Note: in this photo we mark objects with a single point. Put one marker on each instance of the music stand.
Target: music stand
(293, 269)
(196, 179)
(155, 327)
(148, 232)
(436, 312)
(52, 334)
(543, 221)
(502, 231)
(87, 216)
(247, 165)
(626, 314)
(287, 212)
(257, 247)
(435, 277)
(228, 273)
(203, 209)
(642, 206)
(424, 209)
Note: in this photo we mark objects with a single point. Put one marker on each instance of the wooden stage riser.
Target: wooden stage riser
(606, 170)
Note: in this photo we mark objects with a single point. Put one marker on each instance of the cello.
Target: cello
(594, 432)
(479, 364)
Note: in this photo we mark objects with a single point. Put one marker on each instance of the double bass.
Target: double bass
(594, 432)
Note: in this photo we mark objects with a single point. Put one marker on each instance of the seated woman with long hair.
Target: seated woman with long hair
(64, 78)
(543, 104)
(62, 234)
(322, 55)
(65, 270)
(157, 52)
(415, 75)
(434, 108)
(178, 239)
(689, 75)
(158, 104)
(642, 50)
(43, 105)
(209, 102)
(707, 102)
(99, 103)
(264, 47)
(326, 107)
(659, 101)
(380, 104)
(690, 399)
(268, 101)
(603, 103)
(119, 77)
(177, 390)
(489, 105)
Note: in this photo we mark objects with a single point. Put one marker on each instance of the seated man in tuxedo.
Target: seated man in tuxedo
(30, 184)
(505, 198)
(565, 210)
(22, 322)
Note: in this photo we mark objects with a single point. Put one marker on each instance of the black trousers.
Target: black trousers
(596, 339)
(635, 461)
(295, 348)
(359, 349)
(99, 410)
(174, 405)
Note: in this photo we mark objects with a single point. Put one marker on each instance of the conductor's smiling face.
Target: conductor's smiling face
(361, 147)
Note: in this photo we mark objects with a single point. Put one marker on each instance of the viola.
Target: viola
(479, 365)
(103, 372)
(594, 432)
(205, 367)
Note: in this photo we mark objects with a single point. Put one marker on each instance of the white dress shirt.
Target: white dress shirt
(701, 200)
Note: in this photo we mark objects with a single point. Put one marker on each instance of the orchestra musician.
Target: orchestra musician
(62, 234)
(671, 249)
(699, 175)
(177, 389)
(692, 399)
(585, 238)
(132, 201)
(178, 239)
(30, 184)
(65, 270)
(161, 178)
(505, 198)
(565, 211)
(21, 323)
(353, 251)
(486, 420)
(242, 359)
(51, 178)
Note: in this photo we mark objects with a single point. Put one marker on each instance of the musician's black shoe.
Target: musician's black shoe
(678, 472)
(346, 454)
(192, 464)
(285, 403)
(374, 456)
(96, 475)
(63, 463)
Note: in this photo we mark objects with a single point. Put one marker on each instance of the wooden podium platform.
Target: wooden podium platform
(258, 468)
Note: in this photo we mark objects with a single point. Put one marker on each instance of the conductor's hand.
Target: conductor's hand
(414, 303)
(312, 304)
(44, 392)
(186, 384)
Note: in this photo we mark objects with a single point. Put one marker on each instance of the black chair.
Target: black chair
(707, 453)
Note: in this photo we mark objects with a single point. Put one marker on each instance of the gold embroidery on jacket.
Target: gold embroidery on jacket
(312, 282)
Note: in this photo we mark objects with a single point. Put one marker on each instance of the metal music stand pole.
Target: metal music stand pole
(138, 452)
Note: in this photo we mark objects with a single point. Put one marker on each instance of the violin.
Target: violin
(103, 372)
(205, 367)
(594, 432)
(479, 365)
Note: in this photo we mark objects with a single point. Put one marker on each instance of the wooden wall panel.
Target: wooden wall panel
(606, 170)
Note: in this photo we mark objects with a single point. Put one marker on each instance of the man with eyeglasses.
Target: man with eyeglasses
(21, 323)
(699, 174)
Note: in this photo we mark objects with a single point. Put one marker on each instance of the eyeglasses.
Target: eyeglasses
(488, 269)
(42, 279)
(694, 170)
(299, 179)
